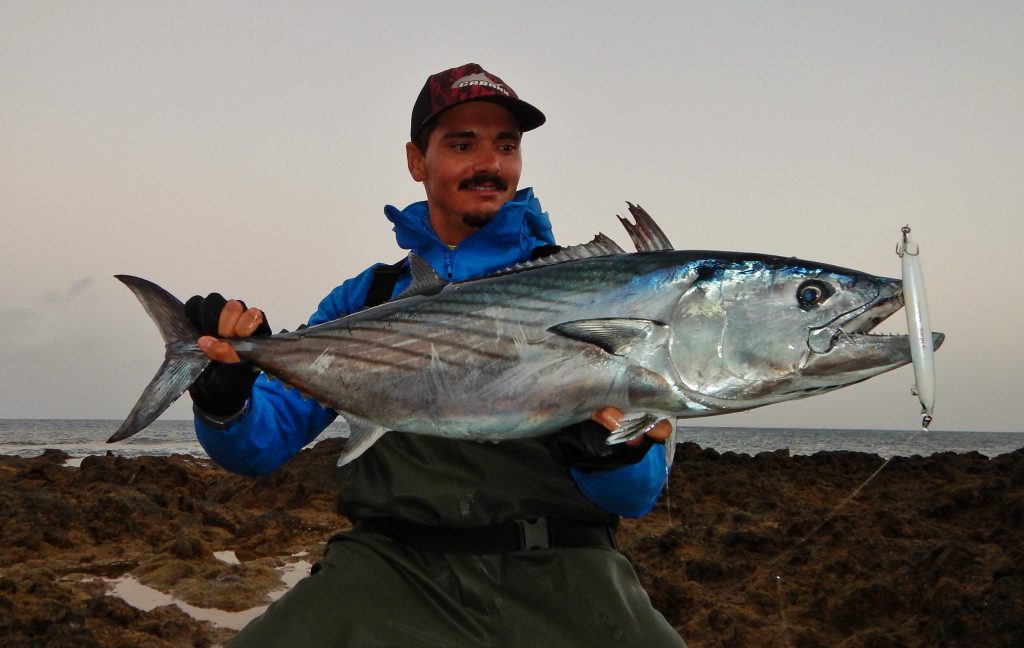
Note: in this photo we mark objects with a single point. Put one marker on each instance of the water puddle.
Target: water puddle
(145, 598)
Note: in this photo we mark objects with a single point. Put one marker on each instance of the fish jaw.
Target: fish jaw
(858, 357)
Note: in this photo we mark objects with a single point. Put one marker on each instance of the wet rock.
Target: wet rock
(187, 546)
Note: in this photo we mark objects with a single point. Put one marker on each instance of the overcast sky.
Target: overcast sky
(249, 148)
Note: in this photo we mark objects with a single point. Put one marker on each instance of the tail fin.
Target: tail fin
(183, 361)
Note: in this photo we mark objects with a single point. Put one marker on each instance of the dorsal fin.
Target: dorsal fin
(425, 280)
(646, 235)
(600, 246)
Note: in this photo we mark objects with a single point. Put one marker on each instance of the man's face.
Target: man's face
(470, 169)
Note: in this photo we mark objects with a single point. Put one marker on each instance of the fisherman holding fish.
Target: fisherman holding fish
(455, 543)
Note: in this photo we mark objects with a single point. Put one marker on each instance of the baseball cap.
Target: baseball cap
(468, 82)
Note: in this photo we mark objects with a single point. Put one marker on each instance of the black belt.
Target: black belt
(505, 537)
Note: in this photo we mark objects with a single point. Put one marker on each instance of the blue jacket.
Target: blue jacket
(277, 422)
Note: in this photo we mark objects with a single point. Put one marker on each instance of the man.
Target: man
(455, 543)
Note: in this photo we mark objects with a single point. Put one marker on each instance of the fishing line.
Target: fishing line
(782, 609)
(825, 521)
(767, 570)
(835, 510)
(668, 501)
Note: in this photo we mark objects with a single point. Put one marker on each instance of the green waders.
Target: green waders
(370, 590)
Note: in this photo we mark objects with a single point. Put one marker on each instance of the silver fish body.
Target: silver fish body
(528, 351)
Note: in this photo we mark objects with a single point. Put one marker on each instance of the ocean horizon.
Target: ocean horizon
(83, 437)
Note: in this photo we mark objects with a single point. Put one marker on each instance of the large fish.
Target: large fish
(658, 333)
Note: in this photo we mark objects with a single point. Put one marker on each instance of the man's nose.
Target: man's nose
(487, 161)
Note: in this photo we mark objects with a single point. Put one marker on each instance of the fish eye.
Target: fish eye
(813, 292)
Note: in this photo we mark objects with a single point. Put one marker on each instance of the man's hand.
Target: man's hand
(235, 321)
(224, 387)
(585, 445)
(609, 417)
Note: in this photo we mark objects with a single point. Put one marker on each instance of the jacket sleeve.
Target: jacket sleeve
(276, 424)
(630, 491)
(277, 421)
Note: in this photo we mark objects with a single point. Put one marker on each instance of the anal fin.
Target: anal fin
(363, 434)
(633, 426)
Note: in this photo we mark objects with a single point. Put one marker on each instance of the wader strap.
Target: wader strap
(383, 284)
(506, 537)
(542, 251)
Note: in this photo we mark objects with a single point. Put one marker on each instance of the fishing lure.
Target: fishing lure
(921, 344)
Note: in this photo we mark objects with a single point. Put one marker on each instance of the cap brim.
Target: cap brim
(527, 115)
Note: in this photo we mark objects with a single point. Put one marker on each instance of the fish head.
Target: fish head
(756, 330)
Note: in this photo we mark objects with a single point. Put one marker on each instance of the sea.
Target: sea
(81, 438)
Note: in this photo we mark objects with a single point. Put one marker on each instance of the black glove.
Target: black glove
(222, 389)
(584, 446)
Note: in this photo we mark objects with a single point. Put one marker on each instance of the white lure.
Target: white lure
(922, 350)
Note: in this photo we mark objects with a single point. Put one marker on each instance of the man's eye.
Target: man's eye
(460, 146)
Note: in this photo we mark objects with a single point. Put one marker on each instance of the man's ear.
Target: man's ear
(417, 162)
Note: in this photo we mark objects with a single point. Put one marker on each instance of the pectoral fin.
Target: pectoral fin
(618, 336)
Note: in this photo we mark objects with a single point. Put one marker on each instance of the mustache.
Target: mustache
(484, 178)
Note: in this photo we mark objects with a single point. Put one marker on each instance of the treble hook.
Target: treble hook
(904, 246)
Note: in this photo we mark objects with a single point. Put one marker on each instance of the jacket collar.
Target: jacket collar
(518, 227)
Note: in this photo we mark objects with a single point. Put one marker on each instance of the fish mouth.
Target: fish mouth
(856, 323)
(848, 338)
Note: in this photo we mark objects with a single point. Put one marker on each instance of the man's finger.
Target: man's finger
(609, 417)
(229, 315)
(248, 322)
(218, 350)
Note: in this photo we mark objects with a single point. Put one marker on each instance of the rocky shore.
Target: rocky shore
(770, 550)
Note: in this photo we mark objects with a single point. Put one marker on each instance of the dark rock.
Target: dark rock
(864, 607)
(704, 571)
(748, 540)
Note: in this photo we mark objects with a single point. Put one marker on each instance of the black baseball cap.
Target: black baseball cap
(468, 82)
